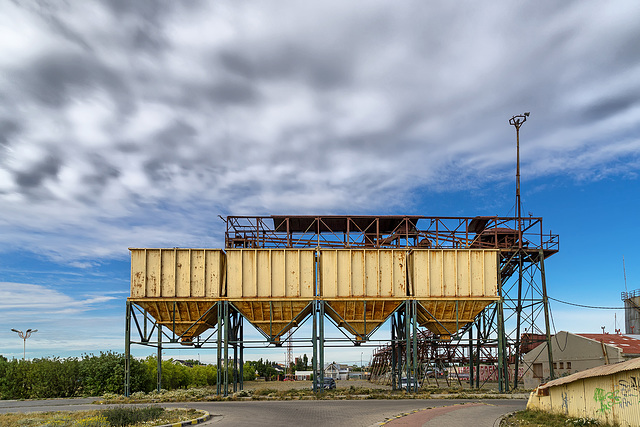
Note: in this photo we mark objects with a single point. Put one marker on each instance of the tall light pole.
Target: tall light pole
(24, 336)
(518, 121)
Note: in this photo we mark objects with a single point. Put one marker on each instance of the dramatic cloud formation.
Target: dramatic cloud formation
(134, 123)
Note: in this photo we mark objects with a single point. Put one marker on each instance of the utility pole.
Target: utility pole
(24, 336)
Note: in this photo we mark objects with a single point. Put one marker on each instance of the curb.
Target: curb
(504, 417)
(403, 414)
(205, 417)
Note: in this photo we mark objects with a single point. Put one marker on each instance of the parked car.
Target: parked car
(412, 382)
(329, 384)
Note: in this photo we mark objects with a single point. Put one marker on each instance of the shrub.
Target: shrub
(105, 374)
(125, 416)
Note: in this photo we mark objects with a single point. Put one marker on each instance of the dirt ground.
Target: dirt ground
(288, 385)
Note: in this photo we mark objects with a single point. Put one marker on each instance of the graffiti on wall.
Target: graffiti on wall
(625, 394)
(606, 399)
(629, 392)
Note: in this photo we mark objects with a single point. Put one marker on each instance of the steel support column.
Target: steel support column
(321, 341)
(225, 305)
(518, 320)
(159, 357)
(127, 351)
(503, 382)
(545, 301)
(394, 345)
(219, 351)
(471, 356)
(314, 334)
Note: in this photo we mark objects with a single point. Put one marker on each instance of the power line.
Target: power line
(586, 306)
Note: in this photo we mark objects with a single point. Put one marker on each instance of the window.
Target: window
(537, 370)
(568, 365)
(555, 365)
(561, 365)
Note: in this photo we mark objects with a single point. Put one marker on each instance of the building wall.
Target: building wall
(611, 398)
(303, 375)
(632, 315)
(571, 353)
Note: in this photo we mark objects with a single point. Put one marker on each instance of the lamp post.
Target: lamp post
(24, 336)
(518, 121)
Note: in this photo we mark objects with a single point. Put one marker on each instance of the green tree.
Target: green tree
(248, 372)
(105, 374)
(49, 378)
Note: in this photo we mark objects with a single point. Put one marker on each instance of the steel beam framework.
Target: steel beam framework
(412, 354)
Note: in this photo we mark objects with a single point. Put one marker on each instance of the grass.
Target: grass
(139, 417)
(530, 418)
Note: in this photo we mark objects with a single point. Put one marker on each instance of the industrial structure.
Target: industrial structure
(631, 311)
(466, 292)
(434, 278)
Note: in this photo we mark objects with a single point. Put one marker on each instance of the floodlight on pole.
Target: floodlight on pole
(518, 121)
(24, 335)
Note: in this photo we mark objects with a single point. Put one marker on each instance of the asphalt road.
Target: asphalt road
(338, 413)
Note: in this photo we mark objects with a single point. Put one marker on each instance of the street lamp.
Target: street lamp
(24, 337)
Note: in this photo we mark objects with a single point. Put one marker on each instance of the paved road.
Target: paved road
(338, 413)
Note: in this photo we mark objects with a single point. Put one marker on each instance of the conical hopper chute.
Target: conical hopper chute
(452, 286)
(272, 288)
(187, 319)
(179, 288)
(362, 287)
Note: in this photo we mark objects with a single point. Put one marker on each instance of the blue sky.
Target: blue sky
(140, 137)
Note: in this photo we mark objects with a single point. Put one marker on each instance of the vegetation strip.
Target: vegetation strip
(118, 416)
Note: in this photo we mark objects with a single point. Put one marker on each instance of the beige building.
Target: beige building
(608, 393)
(577, 352)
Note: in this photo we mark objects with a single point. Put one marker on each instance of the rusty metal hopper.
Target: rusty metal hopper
(452, 286)
(178, 287)
(362, 287)
(271, 288)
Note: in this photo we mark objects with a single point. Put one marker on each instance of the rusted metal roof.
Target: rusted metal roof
(627, 344)
(598, 371)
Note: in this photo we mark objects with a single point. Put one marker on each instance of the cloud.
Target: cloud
(38, 301)
(138, 137)
(67, 325)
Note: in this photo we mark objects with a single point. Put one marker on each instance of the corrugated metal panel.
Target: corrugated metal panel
(627, 388)
(270, 273)
(596, 372)
(176, 273)
(349, 273)
(608, 393)
(454, 273)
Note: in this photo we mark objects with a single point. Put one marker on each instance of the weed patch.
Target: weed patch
(531, 418)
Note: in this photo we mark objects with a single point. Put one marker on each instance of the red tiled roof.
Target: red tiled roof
(627, 344)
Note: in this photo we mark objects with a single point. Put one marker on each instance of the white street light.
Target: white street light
(24, 337)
